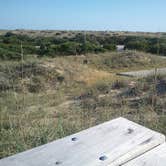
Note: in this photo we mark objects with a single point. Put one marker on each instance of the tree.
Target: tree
(9, 34)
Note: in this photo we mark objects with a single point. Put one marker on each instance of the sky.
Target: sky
(114, 15)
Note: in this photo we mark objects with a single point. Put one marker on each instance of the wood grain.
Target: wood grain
(155, 157)
(111, 143)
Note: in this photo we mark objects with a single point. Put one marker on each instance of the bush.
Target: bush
(43, 50)
(131, 92)
(36, 85)
(69, 48)
(76, 44)
(8, 55)
(103, 87)
(119, 84)
(110, 47)
(9, 34)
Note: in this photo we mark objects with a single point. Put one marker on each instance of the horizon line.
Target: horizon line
(84, 30)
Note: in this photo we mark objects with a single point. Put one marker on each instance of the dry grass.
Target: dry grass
(73, 96)
(91, 76)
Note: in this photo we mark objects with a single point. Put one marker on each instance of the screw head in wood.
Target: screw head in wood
(58, 163)
(74, 139)
(102, 158)
(130, 131)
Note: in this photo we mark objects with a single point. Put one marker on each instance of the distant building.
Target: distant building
(120, 48)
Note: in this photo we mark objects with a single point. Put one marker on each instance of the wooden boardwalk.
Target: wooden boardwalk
(144, 73)
(113, 143)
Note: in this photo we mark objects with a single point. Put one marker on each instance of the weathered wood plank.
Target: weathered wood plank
(155, 157)
(115, 142)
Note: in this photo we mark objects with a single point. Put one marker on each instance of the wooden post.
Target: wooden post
(22, 74)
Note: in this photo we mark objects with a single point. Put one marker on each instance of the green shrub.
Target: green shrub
(69, 48)
(36, 85)
(110, 47)
(9, 55)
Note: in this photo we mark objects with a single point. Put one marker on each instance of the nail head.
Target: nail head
(102, 158)
(74, 139)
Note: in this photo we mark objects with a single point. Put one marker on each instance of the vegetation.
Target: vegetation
(43, 99)
(77, 44)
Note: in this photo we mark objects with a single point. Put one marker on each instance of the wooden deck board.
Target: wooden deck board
(118, 140)
(155, 157)
(143, 73)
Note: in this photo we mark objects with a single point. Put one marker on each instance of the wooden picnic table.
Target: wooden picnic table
(112, 143)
